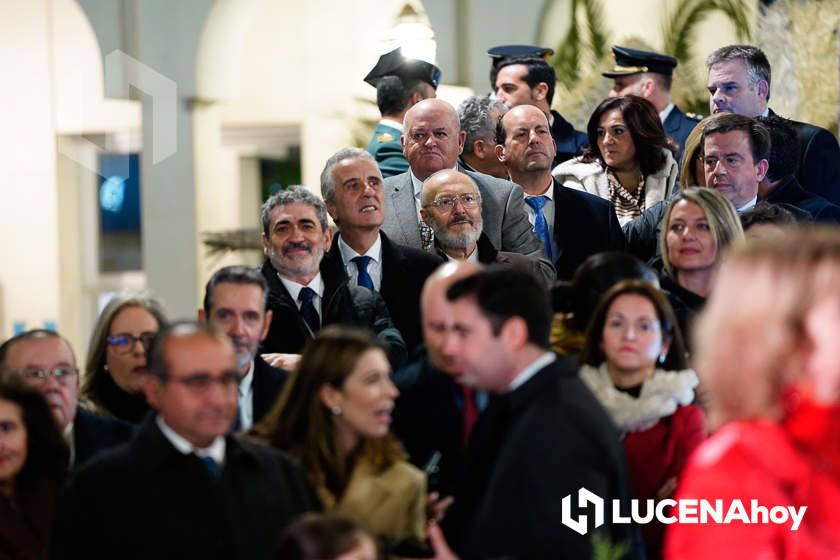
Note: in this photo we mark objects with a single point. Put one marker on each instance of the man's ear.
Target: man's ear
(265, 243)
(328, 235)
(331, 210)
(266, 324)
(500, 153)
(540, 91)
(761, 169)
(763, 89)
(514, 333)
(152, 388)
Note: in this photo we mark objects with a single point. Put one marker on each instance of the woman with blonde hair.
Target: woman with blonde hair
(116, 359)
(767, 349)
(692, 172)
(333, 417)
(698, 225)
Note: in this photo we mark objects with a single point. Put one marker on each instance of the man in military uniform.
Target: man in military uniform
(400, 83)
(648, 74)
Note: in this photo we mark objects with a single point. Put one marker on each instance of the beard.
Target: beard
(301, 265)
(459, 241)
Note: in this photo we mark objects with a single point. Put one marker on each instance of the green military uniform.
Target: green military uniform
(386, 148)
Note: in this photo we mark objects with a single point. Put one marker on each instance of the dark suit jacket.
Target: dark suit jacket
(428, 417)
(789, 191)
(570, 142)
(678, 126)
(145, 499)
(530, 449)
(342, 304)
(819, 162)
(92, 434)
(502, 210)
(404, 271)
(266, 386)
(488, 254)
(584, 224)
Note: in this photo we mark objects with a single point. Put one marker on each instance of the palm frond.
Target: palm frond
(566, 59)
(679, 26)
(597, 33)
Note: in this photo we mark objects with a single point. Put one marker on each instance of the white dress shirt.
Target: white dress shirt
(531, 370)
(246, 400)
(317, 286)
(663, 114)
(216, 451)
(374, 267)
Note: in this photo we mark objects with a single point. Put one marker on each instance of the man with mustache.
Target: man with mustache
(235, 302)
(739, 82)
(432, 141)
(307, 288)
(571, 224)
(452, 208)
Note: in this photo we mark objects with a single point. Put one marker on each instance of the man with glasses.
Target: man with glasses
(183, 487)
(452, 208)
(45, 360)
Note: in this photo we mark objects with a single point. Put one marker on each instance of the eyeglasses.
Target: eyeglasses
(201, 382)
(61, 374)
(123, 343)
(447, 203)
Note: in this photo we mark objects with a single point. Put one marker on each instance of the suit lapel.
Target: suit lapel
(559, 222)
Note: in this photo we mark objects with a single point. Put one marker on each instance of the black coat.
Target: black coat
(584, 224)
(342, 304)
(93, 433)
(428, 417)
(266, 386)
(570, 142)
(790, 192)
(530, 449)
(404, 271)
(819, 161)
(145, 499)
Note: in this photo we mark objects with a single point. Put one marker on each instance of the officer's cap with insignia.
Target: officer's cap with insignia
(395, 64)
(503, 53)
(633, 61)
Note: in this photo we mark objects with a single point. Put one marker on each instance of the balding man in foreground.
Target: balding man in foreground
(432, 140)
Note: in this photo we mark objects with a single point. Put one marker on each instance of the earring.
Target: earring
(336, 410)
(105, 367)
(662, 358)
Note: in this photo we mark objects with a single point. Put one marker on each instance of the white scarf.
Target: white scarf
(660, 396)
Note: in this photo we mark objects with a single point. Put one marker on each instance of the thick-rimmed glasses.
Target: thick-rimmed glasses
(123, 343)
(62, 374)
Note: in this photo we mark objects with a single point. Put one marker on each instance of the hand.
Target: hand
(667, 489)
(436, 507)
(439, 544)
(282, 361)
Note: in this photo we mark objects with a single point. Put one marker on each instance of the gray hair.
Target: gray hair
(327, 180)
(291, 195)
(476, 119)
(754, 59)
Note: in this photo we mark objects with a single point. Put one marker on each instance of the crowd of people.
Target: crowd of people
(505, 315)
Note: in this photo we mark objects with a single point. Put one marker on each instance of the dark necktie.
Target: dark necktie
(211, 465)
(540, 224)
(362, 262)
(307, 309)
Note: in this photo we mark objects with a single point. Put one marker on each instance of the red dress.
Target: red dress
(792, 463)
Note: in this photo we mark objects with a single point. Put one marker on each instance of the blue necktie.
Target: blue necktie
(540, 225)
(362, 262)
(307, 310)
(211, 465)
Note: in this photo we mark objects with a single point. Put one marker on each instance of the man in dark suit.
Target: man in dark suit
(648, 74)
(780, 185)
(400, 83)
(182, 487)
(432, 141)
(236, 302)
(307, 288)
(542, 439)
(351, 185)
(739, 82)
(571, 224)
(45, 360)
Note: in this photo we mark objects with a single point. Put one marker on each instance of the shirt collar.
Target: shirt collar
(245, 383)
(548, 192)
(663, 114)
(348, 253)
(392, 123)
(749, 205)
(316, 284)
(216, 451)
(531, 370)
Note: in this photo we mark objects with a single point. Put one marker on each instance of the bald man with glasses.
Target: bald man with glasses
(45, 360)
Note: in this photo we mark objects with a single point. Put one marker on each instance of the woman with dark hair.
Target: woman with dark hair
(634, 363)
(575, 301)
(334, 416)
(117, 357)
(629, 160)
(320, 536)
(33, 462)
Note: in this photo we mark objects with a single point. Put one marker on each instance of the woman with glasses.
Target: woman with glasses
(334, 416)
(33, 461)
(117, 356)
(634, 363)
(629, 161)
